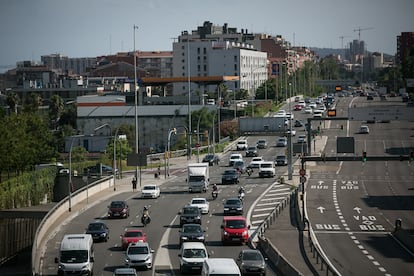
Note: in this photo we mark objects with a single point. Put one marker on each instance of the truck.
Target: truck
(198, 177)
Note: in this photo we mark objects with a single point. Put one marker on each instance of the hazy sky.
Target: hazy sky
(89, 28)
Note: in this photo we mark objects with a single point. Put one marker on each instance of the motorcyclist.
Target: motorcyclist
(215, 191)
(241, 190)
(145, 215)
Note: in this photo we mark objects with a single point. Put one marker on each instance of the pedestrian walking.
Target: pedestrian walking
(134, 184)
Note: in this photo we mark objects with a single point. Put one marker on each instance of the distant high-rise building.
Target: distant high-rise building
(64, 64)
(405, 42)
(357, 51)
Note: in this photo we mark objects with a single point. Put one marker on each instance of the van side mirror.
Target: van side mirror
(92, 259)
(56, 260)
(221, 226)
(248, 226)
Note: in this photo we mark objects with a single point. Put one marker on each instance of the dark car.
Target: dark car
(211, 159)
(281, 160)
(251, 151)
(98, 230)
(190, 214)
(230, 176)
(118, 209)
(298, 123)
(251, 262)
(233, 206)
(191, 232)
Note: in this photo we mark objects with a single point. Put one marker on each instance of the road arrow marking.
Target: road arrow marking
(358, 210)
(321, 209)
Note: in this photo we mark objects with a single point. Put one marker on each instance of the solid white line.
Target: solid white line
(257, 222)
(347, 232)
(260, 215)
(268, 203)
(263, 209)
(273, 198)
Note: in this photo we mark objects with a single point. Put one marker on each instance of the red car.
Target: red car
(234, 230)
(132, 236)
(297, 107)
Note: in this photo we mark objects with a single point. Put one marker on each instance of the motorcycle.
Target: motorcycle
(214, 194)
(241, 196)
(145, 219)
(249, 171)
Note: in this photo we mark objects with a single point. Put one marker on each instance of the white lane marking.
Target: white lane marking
(162, 257)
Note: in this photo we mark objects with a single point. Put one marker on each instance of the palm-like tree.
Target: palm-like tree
(56, 108)
(13, 101)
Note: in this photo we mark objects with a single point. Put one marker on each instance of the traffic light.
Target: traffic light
(364, 156)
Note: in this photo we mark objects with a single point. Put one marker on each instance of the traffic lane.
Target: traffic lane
(346, 254)
(386, 187)
(78, 225)
(384, 253)
(334, 226)
(211, 224)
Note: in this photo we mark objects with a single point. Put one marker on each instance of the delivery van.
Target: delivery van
(220, 267)
(76, 255)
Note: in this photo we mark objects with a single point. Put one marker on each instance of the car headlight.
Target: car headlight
(198, 217)
(184, 238)
(226, 208)
(147, 258)
(103, 235)
(244, 232)
(200, 238)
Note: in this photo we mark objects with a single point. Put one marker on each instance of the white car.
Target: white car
(235, 157)
(364, 129)
(292, 131)
(150, 191)
(312, 105)
(242, 145)
(255, 163)
(201, 203)
(308, 110)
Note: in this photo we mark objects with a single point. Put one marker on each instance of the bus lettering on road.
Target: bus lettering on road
(320, 186)
(349, 185)
(320, 226)
(368, 223)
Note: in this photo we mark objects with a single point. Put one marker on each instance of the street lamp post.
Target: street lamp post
(136, 104)
(70, 171)
(174, 130)
(290, 136)
(198, 138)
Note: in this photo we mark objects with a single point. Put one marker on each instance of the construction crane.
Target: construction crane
(342, 40)
(361, 29)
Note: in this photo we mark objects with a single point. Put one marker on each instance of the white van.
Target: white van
(192, 255)
(76, 255)
(220, 266)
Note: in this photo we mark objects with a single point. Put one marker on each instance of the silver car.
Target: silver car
(139, 255)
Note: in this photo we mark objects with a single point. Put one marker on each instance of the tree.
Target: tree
(13, 101)
(33, 102)
(56, 108)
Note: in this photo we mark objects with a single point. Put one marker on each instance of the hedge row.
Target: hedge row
(28, 189)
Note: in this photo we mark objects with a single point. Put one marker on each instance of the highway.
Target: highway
(262, 195)
(352, 206)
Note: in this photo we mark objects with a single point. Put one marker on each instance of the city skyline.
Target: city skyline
(30, 29)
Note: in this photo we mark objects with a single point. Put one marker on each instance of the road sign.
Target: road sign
(302, 172)
(302, 179)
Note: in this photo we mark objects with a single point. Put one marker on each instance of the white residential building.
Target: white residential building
(218, 58)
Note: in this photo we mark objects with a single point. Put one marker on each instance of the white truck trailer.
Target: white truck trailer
(198, 177)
